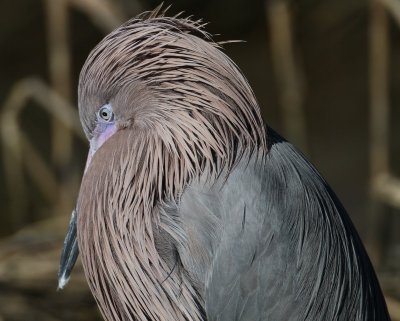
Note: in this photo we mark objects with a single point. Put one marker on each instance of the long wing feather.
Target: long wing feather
(273, 242)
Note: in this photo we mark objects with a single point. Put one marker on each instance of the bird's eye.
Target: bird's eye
(106, 114)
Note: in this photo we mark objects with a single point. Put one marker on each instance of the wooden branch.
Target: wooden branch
(106, 15)
(379, 92)
(378, 124)
(16, 159)
(287, 71)
(60, 74)
(28, 277)
(393, 6)
(393, 307)
(386, 188)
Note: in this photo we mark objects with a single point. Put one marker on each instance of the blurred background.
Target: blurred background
(326, 74)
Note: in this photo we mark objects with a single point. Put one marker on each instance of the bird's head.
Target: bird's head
(166, 78)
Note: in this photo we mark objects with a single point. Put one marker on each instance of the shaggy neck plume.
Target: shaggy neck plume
(187, 111)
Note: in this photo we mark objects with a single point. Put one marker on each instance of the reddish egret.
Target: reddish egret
(191, 208)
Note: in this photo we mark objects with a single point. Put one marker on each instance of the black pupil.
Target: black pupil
(104, 114)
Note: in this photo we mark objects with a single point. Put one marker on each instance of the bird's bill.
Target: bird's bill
(69, 253)
(70, 250)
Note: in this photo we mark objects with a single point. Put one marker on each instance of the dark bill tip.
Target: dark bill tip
(69, 253)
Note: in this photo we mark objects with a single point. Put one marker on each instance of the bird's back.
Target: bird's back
(273, 242)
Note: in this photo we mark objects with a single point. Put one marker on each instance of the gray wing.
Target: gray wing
(272, 242)
(236, 251)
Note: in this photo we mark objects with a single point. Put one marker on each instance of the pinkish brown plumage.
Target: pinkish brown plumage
(188, 210)
(183, 109)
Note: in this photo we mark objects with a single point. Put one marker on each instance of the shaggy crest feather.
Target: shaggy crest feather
(188, 110)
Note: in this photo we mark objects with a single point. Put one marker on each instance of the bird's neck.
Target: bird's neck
(125, 271)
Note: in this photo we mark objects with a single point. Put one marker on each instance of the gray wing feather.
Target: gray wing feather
(272, 242)
(247, 259)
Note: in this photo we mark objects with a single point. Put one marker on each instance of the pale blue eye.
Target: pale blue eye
(106, 114)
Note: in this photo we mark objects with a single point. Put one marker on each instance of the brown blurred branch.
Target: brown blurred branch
(393, 307)
(60, 74)
(379, 93)
(28, 277)
(105, 14)
(287, 71)
(384, 187)
(19, 153)
(59, 54)
(393, 6)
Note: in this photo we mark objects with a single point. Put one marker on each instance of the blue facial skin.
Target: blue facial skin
(105, 128)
